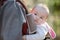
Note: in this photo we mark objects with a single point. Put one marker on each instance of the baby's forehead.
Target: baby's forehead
(41, 8)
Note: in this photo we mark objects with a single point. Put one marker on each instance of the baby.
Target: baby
(40, 13)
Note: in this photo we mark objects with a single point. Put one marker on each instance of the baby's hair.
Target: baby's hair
(41, 6)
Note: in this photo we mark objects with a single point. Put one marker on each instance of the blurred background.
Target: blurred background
(54, 17)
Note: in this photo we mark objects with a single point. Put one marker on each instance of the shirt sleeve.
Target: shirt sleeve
(38, 36)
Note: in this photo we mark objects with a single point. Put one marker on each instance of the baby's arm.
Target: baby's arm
(37, 36)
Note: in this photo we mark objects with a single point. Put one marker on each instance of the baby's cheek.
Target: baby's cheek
(41, 21)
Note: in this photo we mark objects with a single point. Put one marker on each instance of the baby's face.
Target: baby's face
(40, 17)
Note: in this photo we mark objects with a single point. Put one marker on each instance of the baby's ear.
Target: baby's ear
(46, 19)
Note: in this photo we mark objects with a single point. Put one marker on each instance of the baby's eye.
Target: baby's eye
(41, 17)
(35, 14)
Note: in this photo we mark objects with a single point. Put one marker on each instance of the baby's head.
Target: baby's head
(41, 10)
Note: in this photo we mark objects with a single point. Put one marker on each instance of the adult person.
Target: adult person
(12, 17)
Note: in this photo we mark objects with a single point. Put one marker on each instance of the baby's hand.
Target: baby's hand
(24, 37)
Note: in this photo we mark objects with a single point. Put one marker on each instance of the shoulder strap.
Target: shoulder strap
(23, 6)
(25, 25)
